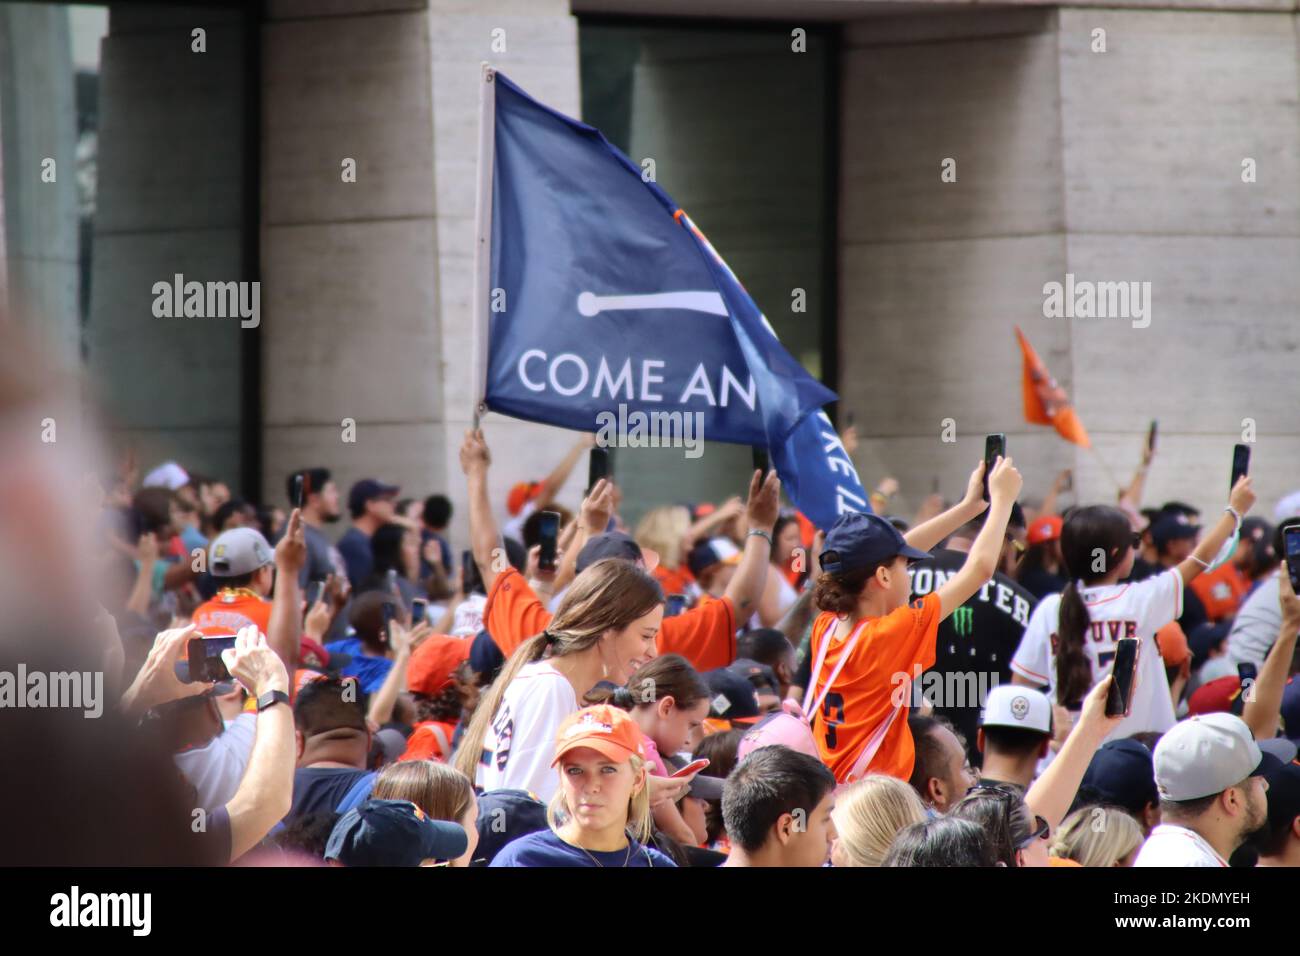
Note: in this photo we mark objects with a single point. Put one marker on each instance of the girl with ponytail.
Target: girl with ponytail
(668, 700)
(604, 630)
(1071, 638)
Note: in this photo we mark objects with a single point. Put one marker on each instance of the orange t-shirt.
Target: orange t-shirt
(673, 580)
(1221, 590)
(230, 610)
(865, 689)
(704, 635)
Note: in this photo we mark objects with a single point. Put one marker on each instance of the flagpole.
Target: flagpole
(483, 233)
(1106, 468)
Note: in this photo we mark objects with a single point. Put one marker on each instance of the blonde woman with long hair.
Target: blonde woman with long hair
(440, 791)
(600, 815)
(665, 531)
(868, 815)
(1098, 836)
(605, 629)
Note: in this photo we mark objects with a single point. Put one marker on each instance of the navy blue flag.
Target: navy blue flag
(607, 302)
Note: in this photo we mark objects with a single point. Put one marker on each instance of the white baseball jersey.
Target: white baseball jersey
(1116, 610)
(520, 742)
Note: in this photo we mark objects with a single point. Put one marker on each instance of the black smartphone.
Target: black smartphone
(995, 446)
(204, 658)
(419, 611)
(388, 614)
(548, 538)
(597, 466)
(314, 591)
(1151, 436)
(299, 489)
(1291, 542)
(1120, 698)
(1240, 463)
(390, 580)
(472, 580)
(762, 462)
(675, 605)
(848, 419)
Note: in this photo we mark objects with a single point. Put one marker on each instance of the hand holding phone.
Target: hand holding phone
(1240, 464)
(597, 465)
(204, 658)
(1119, 699)
(548, 540)
(995, 447)
(1291, 554)
(694, 767)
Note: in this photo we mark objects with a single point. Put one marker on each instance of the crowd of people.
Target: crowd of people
(719, 684)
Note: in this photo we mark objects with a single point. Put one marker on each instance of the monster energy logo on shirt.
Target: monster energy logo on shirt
(963, 620)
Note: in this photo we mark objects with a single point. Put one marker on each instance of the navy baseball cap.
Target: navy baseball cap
(393, 833)
(614, 544)
(504, 816)
(368, 489)
(1122, 772)
(1290, 712)
(485, 658)
(859, 540)
(734, 697)
(1283, 794)
(1173, 528)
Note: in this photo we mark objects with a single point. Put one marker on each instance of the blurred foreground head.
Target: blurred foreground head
(96, 790)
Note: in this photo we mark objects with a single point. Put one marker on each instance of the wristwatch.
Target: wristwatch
(271, 698)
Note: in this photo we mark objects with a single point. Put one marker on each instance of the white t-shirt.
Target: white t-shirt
(1117, 610)
(1170, 845)
(520, 742)
(468, 619)
(216, 768)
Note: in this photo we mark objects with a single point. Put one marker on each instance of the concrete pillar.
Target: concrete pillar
(368, 284)
(1115, 166)
(39, 226)
(171, 161)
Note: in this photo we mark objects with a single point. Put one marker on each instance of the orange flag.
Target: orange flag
(1045, 401)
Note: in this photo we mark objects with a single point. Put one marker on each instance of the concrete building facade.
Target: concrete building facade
(1156, 143)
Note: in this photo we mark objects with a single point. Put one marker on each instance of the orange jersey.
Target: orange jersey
(673, 580)
(230, 610)
(704, 635)
(1221, 590)
(864, 692)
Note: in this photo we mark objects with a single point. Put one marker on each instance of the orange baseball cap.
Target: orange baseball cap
(1046, 528)
(521, 494)
(605, 729)
(433, 663)
(1173, 644)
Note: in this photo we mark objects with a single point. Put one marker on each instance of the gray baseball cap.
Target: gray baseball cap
(238, 551)
(1207, 754)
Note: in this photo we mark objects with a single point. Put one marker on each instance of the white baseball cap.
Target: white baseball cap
(1009, 705)
(1207, 754)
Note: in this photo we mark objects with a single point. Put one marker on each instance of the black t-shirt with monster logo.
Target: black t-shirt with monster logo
(975, 643)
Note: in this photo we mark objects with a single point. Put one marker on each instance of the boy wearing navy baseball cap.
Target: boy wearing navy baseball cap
(870, 643)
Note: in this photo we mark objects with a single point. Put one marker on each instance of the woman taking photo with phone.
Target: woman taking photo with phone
(605, 629)
(1071, 640)
(600, 814)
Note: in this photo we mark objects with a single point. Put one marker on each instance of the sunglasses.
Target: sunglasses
(1042, 830)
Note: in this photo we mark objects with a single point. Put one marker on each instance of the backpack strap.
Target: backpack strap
(835, 672)
(357, 793)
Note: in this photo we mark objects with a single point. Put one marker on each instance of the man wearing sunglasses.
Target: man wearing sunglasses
(1210, 776)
